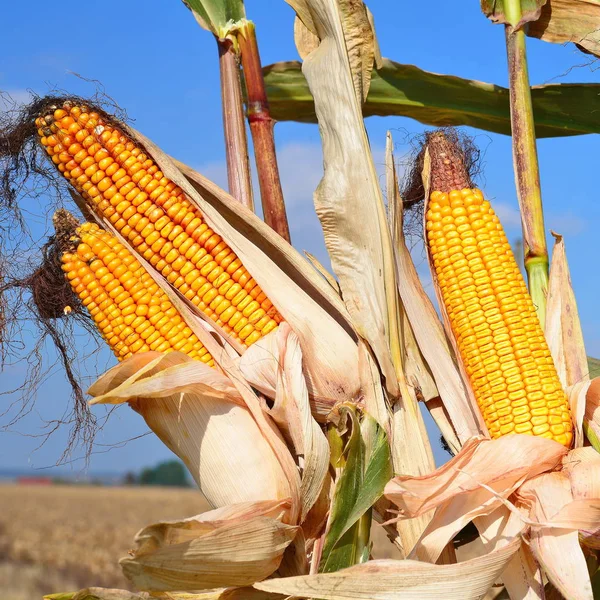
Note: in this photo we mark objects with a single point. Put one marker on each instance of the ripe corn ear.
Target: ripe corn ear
(130, 310)
(125, 185)
(493, 319)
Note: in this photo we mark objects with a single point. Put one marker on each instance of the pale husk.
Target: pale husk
(558, 551)
(207, 552)
(201, 417)
(472, 484)
(563, 327)
(401, 579)
(348, 199)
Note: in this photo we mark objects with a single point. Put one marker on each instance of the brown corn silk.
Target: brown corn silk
(132, 313)
(492, 317)
(123, 184)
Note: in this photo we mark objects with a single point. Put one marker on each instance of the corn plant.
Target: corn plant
(292, 394)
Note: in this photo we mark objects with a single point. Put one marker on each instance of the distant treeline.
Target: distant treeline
(170, 473)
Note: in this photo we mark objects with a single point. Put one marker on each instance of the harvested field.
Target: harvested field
(61, 538)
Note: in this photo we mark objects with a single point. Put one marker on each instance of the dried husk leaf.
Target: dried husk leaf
(373, 396)
(201, 417)
(329, 278)
(348, 199)
(577, 395)
(558, 551)
(522, 576)
(417, 373)
(209, 554)
(291, 403)
(563, 21)
(360, 44)
(563, 327)
(306, 41)
(400, 579)
(456, 490)
(591, 417)
(305, 300)
(97, 593)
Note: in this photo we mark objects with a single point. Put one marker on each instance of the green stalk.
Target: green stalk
(234, 124)
(527, 175)
(261, 128)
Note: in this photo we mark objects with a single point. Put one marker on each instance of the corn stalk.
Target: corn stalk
(261, 128)
(527, 175)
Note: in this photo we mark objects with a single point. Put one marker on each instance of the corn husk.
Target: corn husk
(558, 551)
(201, 416)
(400, 579)
(563, 328)
(348, 199)
(231, 547)
(472, 484)
(522, 576)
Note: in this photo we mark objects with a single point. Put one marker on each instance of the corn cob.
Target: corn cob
(130, 310)
(126, 186)
(493, 319)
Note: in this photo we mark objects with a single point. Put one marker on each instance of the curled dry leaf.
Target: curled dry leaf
(201, 417)
(558, 551)
(563, 21)
(207, 552)
(563, 328)
(470, 485)
(400, 579)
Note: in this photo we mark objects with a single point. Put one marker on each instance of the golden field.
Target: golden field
(63, 538)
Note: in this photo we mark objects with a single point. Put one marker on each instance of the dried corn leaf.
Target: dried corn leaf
(203, 419)
(529, 11)
(306, 41)
(293, 408)
(563, 21)
(558, 551)
(522, 576)
(96, 593)
(348, 199)
(470, 485)
(577, 396)
(563, 328)
(400, 579)
(231, 553)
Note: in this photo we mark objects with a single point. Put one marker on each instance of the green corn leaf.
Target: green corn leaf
(366, 470)
(442, 100)
(217, 15)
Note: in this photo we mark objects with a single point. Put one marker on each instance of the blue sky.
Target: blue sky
(155, 61)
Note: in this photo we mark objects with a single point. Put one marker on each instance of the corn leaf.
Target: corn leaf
(441, 100)
(591, 418)
(400, 580)
(563, 21)
(495, 11)
(348, 199)
(217, 15)
(366, 470)
(563, 327)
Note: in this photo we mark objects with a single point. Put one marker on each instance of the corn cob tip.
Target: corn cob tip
(448, 165)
